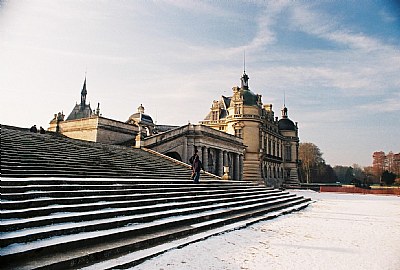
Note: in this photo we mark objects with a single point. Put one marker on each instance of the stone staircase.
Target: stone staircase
(25, 154)
(112, 212)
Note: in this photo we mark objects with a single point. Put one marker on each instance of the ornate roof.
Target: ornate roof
(140, 117)
(285, 123)
(249, 98)
(81, 110)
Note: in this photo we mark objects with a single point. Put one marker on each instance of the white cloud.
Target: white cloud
(328, 27)
(200, 7)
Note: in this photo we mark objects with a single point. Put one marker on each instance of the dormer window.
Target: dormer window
(215, 115)
(238, 109)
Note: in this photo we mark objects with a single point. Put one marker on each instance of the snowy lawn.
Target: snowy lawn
(338, 231)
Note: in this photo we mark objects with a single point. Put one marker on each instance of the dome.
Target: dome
(286, 124)
(143, 118)
(249, 98)
(140, 117)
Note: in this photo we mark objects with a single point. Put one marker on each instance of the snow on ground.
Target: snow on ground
(338, 231)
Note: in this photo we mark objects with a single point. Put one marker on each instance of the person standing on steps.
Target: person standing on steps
(197, 167)
(194, 156)
(191, 160)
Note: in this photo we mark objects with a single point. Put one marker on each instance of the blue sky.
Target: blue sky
(338, 63)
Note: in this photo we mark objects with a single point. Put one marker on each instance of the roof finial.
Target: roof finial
(284, 98)
(244, 61)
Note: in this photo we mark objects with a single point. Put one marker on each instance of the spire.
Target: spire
(284, 98)
(244, 61)
(245, 79)
(83, 95)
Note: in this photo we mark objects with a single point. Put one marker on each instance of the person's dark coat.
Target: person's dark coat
(197, 164)
(33, 129)
(192, 158)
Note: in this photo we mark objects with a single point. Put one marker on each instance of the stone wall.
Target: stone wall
(81, 129)
(97, 129)
(115, 132)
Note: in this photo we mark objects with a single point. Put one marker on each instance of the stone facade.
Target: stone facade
(216, 149)
(96, 129)
(240, 136)
(271, 152)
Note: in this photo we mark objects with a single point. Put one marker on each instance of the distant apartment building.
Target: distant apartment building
(382, 162)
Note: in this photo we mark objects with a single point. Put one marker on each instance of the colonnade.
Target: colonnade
(273, 170)
(214, 160)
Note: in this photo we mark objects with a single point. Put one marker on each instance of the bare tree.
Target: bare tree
(310, 156)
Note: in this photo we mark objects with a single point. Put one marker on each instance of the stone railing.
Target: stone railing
(190, 129)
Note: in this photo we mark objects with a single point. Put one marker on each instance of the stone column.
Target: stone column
(225, 158)
(205, 158)
(190, 149)
(220, 162)
(231, 166)
(241, 167)
(236, 165)
(185, 158)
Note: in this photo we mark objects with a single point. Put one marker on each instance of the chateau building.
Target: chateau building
(271, 153)
(240, 138)
(85, 124)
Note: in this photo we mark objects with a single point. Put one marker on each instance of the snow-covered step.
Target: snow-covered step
(132, 259)
(49, 231)
(144, 199)
(169, 216)
(170, 192)
(170, 229)
(79, 207)
(62, 216)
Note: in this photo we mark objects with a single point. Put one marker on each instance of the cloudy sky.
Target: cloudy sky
(337, 63)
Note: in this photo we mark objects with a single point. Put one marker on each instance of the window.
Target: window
(273, 149)
(215, 115)
(288, 153)
(238, 133)
(269, 147)
(238, 109)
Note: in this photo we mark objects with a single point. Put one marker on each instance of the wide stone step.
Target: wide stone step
(19, 158)
(136, 257)
(56, 229)
(46, 201)
(63, 243)
(14, 200)
(116, 182)
(136, 206)
(25, 154)
(13, 224)
(19, 193)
